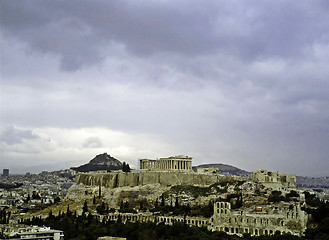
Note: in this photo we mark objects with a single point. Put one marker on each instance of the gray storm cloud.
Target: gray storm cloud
(12, 135)
(240, 82)
(78, 31)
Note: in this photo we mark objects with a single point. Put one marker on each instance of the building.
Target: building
(32, 232)
(259, 220)
(256, 220)
(179, 163)
(5, 172)
(210, 170)
(274, 180)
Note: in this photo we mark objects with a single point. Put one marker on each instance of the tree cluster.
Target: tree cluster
(126, 208)
(276, 196)
(87, 226)
(125, 167)
(181, 209)
(4, 216)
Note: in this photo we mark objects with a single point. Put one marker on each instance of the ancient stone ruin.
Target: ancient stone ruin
(177, 163)
(256, 216)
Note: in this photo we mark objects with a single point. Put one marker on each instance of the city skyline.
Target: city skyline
(243, 83)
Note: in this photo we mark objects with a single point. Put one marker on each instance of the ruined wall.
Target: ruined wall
(274, 180)
(121, 179)
(262, 220)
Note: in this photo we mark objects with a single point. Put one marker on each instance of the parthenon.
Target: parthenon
(176, 163)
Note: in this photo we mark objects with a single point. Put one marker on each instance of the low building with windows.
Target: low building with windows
(31, 232)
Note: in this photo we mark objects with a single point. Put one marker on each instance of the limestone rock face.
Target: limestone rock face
(121, 179)
(114, 196)
(146, 186)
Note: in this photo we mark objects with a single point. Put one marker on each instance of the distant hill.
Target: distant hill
(100, 162)
(312, 182)
(302, 182)
(224, 169)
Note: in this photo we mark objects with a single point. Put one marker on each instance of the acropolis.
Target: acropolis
(164, 173)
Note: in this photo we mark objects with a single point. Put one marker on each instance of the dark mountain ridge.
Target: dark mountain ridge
(100, 162)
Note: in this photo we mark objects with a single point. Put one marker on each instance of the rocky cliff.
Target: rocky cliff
(121, 179)
(148, 187)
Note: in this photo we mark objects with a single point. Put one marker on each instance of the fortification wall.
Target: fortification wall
(121, 179)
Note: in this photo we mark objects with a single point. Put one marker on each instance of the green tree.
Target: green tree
(68, 212)
(57, 199)
(176, 203)
(85, 207)
(125, 167)
(50, 214)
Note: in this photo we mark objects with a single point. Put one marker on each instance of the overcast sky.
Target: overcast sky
(244, 83)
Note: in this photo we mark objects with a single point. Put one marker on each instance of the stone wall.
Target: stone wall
(148, 217)
(132, 179)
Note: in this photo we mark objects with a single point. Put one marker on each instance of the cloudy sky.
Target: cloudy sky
(244, 83)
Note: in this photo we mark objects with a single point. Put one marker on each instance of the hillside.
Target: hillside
(100, 162)
(312, 182)
(224, 169)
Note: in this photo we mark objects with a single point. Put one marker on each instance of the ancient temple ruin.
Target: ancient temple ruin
(259, 220)
(177, 163)
(274, 180)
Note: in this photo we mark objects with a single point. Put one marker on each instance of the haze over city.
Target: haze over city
(243, 83)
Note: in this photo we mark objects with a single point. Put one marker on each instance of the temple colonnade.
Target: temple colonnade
(176, 163)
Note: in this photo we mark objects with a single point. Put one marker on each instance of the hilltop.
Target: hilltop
(100, 162)
(224, 169)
